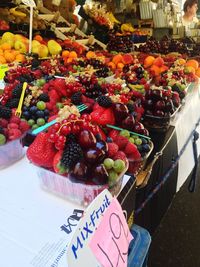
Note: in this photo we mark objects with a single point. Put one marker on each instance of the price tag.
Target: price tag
(112, 251)
(102, 236)
(79, 252)
(29, 3)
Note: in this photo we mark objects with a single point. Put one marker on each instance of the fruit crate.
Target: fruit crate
(80, 193)
(159, 124)
(135, 167)
(11, 152)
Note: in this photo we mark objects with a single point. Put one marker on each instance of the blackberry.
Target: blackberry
(104, 101)
(12, 103)
(130, 107)
(44, 97)
(71, 155)
(25, 78)
(5, 112)
(35, 64)
(71, 139)
(1, 130)
(76, 98)
(17, 91)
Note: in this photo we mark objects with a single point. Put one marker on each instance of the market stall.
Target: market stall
(109, 108)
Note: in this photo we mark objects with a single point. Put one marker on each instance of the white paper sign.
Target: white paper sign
(79, 252)
(30, 3)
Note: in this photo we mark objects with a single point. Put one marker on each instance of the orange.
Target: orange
(192, 63)
(1, 52)
(198, 72)
(112, 65)
(73, 54)
(20, 58)
(2, 59)
(117, 59)
(6, 46)
(148, 61)
(120, 66)
(15, 52)
(90, 54)
(38, 38)
(65, 53)
(9, 56)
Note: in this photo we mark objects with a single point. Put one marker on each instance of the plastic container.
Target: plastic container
(159, 124)
(11, 152)
(80, 193)
(136, 166)
(139, 247)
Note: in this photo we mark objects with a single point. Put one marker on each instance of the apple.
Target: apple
(21, 47)
(43, 51)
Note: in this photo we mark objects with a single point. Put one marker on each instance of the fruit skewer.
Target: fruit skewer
(47, 125)
(120, 129)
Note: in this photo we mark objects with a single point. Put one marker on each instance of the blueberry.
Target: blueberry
(26, 115)
(40, 114)
(33, 109)
(109, 140)
(46, 118)
(46, 112)
(140, 148)
(25, 108)
(146, 148)
(144, 141)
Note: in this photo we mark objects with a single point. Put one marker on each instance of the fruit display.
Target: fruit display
(120, 43)
(16, 16)
(160, 105)
(74, 150)
(166, 45)
(99, 14)
(12, 129)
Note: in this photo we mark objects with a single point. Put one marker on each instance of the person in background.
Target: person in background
(190, 9)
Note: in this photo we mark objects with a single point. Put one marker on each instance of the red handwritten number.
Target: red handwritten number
(118, 233)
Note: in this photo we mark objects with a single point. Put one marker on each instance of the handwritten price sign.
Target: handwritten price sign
(102, 236)
(29, 3)
(111, 240)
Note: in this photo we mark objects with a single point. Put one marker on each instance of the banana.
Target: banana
(112, 18)
(16, 13)
(127, 27)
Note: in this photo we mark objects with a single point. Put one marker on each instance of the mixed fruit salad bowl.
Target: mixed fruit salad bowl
(12, 130)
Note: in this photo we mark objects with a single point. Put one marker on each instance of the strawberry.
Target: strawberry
(121, 141)
(132, 151)
(113, 134)
(120, 155)
(41, 152)
(58, 168)
(107, 117)
(23, 126)
(112, 149)
(14, 134)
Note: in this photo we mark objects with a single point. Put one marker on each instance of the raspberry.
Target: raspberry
(132, 152)
(15, 119)
(112, 149)
(23, 126)
(120, 155)
(113, 134)
(13, 125)
(121, 141)
(3, 123)
(14, 134)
